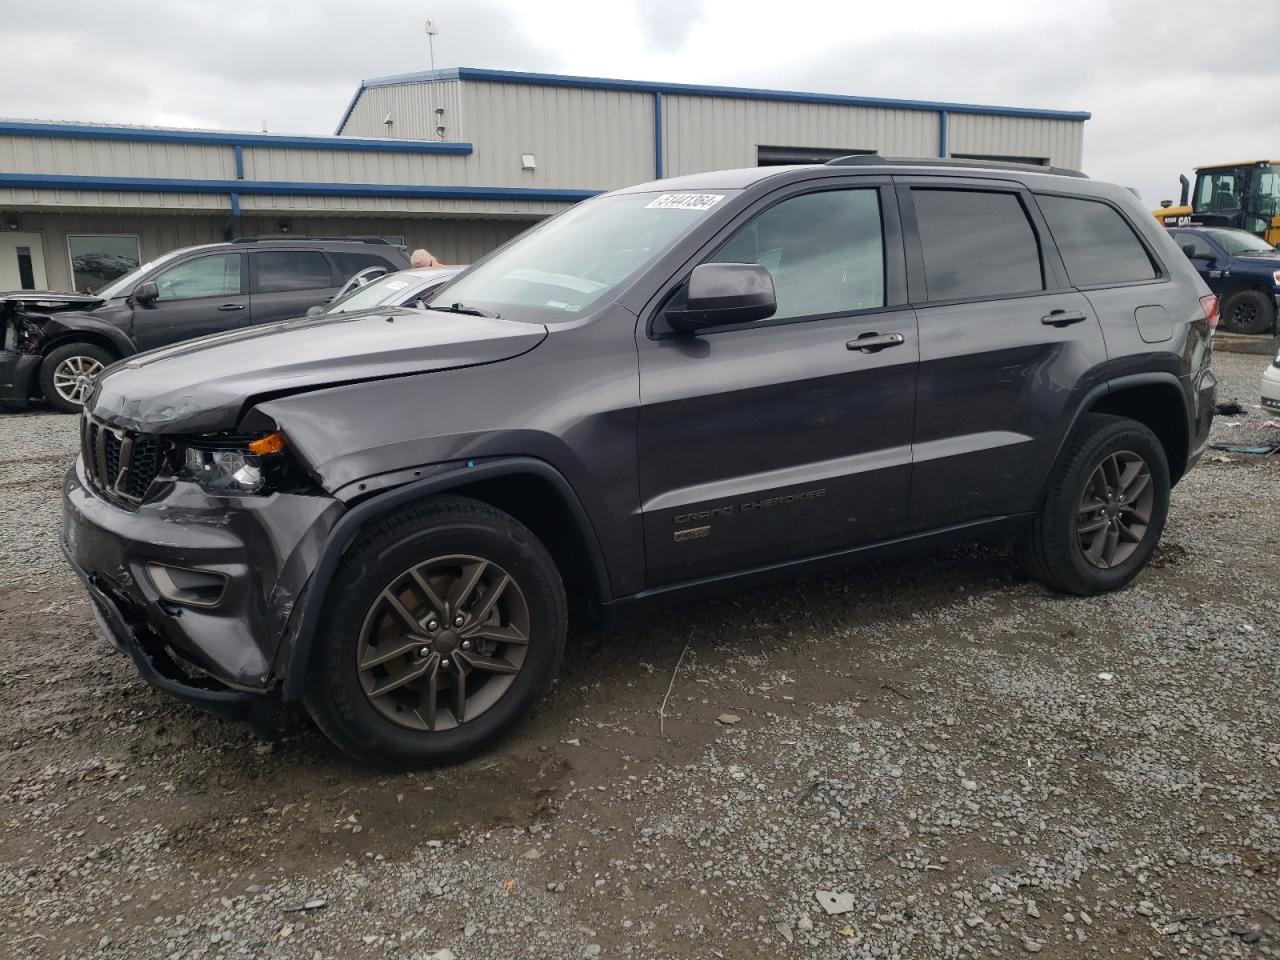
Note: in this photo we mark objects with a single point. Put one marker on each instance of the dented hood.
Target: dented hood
(205, 385)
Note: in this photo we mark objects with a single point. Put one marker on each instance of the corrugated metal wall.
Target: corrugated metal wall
(121, 158)
(715, 133)
(412, 107)
(1061, 142)
(580, 138)
(453, 241)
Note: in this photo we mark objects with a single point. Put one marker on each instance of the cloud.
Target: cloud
(1169, 82)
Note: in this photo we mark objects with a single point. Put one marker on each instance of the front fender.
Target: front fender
(295, 653)
(70, 327)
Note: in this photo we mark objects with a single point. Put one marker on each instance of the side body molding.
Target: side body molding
(311, 605)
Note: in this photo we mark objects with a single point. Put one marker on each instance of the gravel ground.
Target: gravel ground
(956, 760)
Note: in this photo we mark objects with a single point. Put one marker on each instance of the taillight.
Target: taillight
(1209, 305)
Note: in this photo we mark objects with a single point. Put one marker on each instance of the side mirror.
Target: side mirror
(314, 309)
(1190, 250)
(724, 293)
(145, 293)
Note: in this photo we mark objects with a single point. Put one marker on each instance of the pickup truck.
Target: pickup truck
(1243, 270)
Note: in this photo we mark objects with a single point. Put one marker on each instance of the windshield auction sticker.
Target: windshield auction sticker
(686, 201)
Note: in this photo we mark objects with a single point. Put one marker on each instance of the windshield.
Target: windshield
(123, 286)
(1236, 242)
(572, 262)
(390, 289)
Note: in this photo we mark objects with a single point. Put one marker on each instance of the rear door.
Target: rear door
(781, 438)
(286, 282)
(1006, 348)
(202, 295)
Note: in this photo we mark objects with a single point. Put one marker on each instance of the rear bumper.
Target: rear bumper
(17, 373)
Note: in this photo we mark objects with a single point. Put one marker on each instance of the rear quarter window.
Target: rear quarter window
(1097, 244)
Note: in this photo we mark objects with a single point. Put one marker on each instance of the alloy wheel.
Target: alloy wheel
(1115, 509)
(73, 378)
(1243, 315)
(443, 642)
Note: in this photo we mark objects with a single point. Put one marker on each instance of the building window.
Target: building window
(1001, 158)
(96, 260)
(779, 156)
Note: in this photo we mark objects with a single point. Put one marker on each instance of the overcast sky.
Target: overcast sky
(1170, 83)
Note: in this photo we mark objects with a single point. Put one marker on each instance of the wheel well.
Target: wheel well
(79, 336)
(1162, 409)
(535, 502)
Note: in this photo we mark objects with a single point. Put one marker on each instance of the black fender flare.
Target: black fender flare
(1113, 385)
(311, 604)
(57, 331)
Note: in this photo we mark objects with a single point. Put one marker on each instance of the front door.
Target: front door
(203, 295)
(782, 438)
(22, 262)
(1209, 261)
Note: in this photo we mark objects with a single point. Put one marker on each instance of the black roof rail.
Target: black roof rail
(875, 160)
(303, 239)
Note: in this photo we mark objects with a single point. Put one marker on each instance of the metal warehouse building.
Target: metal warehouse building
(455, 160)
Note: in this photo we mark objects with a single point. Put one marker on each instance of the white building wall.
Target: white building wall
(716, 133)
(115, 158)
(1061, 142)
(412, 107)
(580, 138)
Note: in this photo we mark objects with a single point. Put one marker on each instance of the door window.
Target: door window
(282, 270)
(1097, 245)
(212, 276)
(977, 245)
(349, 264)
(1193, 245)
(825, 252)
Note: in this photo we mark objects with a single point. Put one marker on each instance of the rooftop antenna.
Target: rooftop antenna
(432, 30)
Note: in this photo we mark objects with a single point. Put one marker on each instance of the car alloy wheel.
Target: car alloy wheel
(73, 378)
(1115, 509)
(443, 642)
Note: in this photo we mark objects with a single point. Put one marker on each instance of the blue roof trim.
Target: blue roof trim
(51, 181)
(88, 131)
(698, 90)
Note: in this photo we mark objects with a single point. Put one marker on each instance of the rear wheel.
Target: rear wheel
(1248, 311)
(447, 627)
(1105, 510)
(68, 373)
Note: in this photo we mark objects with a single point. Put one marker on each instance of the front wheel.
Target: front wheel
(446, 625)
(68, 373)
(1104, 511)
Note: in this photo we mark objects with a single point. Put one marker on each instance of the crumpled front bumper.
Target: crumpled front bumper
(222, 657)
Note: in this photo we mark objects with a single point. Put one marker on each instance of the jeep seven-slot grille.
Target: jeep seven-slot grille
(116, 461)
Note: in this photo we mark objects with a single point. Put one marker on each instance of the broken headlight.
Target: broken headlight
(233, 469)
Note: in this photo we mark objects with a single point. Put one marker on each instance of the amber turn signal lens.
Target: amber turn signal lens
(271, 443)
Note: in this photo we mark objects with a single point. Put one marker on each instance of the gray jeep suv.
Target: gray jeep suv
(664, 391)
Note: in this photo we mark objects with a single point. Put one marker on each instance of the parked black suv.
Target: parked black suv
(666, 390)
(56, 344)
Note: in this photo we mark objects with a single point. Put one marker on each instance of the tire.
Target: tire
(398, 555)
(84, 361)
(1053, 549)
(1248, 311)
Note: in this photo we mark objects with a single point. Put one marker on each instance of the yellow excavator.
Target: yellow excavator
(1241, 195)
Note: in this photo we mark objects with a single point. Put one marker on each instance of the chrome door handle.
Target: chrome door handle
(1061, 318)
(232, 306)
(873, 342)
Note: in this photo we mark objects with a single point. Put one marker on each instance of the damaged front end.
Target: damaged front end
(194, 551)
(25, 316)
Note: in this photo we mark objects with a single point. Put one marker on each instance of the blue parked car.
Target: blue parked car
(1242, 269)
